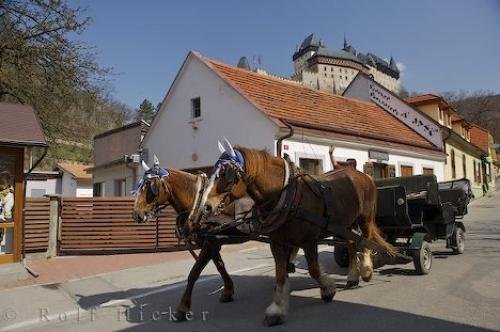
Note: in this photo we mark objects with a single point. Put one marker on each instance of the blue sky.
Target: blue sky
(443, 45)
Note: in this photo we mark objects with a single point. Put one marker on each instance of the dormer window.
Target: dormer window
(196, 108)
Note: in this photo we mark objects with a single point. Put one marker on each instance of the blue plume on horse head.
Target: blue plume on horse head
(150, 172)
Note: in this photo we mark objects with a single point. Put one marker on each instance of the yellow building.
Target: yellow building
(464, 159)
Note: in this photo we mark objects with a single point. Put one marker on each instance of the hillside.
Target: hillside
(482, 108)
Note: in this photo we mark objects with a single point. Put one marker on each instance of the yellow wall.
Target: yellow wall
(476, 187)
(431, 110)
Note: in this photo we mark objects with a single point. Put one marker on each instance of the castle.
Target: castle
(332, 70)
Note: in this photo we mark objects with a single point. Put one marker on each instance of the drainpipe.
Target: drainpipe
(280, 140)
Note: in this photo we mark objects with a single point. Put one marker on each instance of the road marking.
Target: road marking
(85, 313)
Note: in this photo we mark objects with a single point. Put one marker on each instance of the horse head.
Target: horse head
(151, 193)
(226, 183)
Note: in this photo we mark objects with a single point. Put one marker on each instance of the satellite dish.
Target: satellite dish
(243, 63)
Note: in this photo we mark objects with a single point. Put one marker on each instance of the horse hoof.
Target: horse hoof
(225, 298)
(352, 284)
(180, 316)
(328, 298)
(367, 278)
(273, 320)
(291, 268)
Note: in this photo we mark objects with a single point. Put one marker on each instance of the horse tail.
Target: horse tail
(375, 235)
(371, 230)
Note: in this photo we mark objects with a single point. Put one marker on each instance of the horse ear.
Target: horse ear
(229, 148)
(145, 166)
(221, 147)
(156, 161)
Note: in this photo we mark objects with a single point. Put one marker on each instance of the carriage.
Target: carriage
(416, 210)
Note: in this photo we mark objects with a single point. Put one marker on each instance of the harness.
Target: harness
(288, 207)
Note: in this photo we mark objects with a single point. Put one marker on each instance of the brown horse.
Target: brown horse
(264, 178)
(179, 189)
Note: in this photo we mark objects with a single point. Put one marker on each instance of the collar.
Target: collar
(198, 204)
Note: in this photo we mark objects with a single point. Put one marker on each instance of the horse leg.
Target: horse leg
(291, 261)
(277, 310)
(194, 274)
(326, 283)
(353, 275)
(227, 294)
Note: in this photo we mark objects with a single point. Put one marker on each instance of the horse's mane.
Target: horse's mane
(256, 161)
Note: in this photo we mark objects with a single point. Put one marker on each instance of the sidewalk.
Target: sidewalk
(75, 286)
(65, 268)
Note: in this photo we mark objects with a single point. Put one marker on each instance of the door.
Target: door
(406, 170)
(11, 203)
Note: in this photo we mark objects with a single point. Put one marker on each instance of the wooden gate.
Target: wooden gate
(105, 225)
(36, 224)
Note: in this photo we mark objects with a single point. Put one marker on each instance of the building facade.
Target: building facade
(209, 99)
(116, 159)
(434, 118)
(332, 70)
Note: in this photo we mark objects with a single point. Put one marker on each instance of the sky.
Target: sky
(444, 45)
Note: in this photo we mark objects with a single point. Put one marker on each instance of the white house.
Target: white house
(209, 99)
(76, 182)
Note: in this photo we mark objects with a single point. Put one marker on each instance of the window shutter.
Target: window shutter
(368, 169)
(392, 171)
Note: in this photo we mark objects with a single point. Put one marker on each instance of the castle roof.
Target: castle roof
(348, 53)
(311, 40)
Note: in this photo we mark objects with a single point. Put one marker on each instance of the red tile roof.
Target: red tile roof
(316, 109)
(77, 170)
(20, 125)
(479, 137)
(423, 99)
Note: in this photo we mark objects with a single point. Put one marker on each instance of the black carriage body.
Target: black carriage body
(419, 204)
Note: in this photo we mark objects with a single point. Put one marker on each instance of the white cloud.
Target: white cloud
(401, 66)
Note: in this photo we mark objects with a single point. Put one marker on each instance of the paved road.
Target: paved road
(462, 293)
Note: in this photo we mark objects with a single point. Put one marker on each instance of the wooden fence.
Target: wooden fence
(36, 224)
(99, 225)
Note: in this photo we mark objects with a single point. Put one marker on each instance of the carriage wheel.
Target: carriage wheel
(459, 239)
(422, 259)
(341, 255)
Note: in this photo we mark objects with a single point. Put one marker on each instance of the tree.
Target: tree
(146, 111)
(41, 65)
(481, 107)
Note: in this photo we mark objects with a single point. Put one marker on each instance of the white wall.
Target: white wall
(310, 147)
(50, 186)
(68, 185)
(84, 191)
(108, 175)
(224, 112)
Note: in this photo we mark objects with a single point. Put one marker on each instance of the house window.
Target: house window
(464, 165)
(195, 107)
(427, 171)
(311, 166)
(120, 187)
(453, 170)
(98, 189)
(406, 170)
